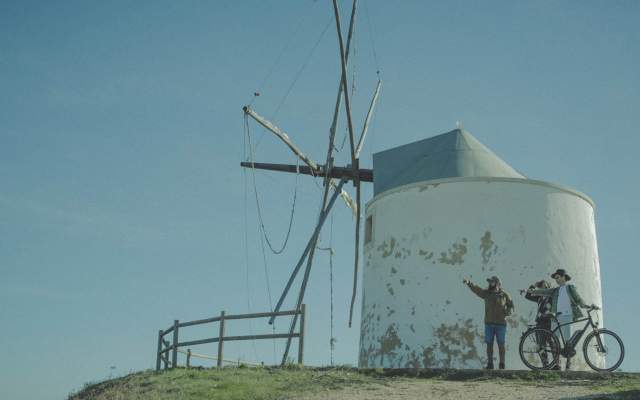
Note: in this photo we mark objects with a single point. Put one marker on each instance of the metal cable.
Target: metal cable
(246, 249)
(292, 37)
(255, 190)
(301, 70)
(371, 34)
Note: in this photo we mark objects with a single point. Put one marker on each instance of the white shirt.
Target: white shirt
(564, 303)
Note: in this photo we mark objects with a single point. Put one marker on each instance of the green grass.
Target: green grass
(227, 383)
(261, 383)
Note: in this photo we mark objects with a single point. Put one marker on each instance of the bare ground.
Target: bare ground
(407, 388)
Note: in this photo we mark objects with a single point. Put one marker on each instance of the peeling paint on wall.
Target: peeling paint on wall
(390, 289)
(428, 357)
(487, 247)
(455, 254)
(388, 343)
(457, 343)
(412, 361)
(387, 249)
(402, 253)
(426, 254)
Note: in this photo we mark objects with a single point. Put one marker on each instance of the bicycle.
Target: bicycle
(540, 348)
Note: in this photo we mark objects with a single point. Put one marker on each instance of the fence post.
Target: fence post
(174, 359)
(165, 356)
(159, 355)
(220, 339)
(188, 358)
(301, 338)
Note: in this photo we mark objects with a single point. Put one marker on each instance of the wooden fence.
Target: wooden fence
(171, 347)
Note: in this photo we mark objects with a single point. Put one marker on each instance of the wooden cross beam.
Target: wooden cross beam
(364, 175)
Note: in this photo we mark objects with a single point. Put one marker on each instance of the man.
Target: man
(497, 306)
(565, 303)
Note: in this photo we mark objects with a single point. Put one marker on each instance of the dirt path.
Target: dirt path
(450, 390)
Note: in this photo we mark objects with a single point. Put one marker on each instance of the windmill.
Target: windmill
(334, 177)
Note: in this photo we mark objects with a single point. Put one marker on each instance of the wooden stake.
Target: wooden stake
(174, 359)
(158, 359)
(221, 339)
(301, 338)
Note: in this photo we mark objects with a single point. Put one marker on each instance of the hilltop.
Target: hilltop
(235, 383)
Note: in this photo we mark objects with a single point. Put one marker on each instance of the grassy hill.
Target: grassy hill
(235, 383)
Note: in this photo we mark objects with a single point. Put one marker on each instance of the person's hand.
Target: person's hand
(522, 292)
(466, 281)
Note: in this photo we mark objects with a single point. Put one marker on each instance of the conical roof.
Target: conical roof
(453, 154)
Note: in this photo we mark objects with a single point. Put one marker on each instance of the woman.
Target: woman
(543, 320)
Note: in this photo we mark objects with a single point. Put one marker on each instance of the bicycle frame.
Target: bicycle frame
(590, 323)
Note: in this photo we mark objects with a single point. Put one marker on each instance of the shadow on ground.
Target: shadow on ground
(626, 395)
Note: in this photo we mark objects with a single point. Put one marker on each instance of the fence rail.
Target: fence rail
(166, 348)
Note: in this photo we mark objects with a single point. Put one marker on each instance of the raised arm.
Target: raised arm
(540, 292)
(529, 296)
(480, 292)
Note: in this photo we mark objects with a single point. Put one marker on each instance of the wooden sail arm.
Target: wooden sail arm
(365, 175)
(365, 127)
(279, 133)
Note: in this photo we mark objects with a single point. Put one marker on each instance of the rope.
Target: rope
(332, 339)
(196, 355)
(292, 37)
(371, 37)
(246, 249)
(296, 77)
(255, 190)
(301, 70)
(266, 276)
(263, 231)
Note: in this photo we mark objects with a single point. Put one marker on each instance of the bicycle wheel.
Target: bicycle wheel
(539, 349)
(603, 350)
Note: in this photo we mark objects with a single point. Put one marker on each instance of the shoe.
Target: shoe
(489, 366)
(501, 366)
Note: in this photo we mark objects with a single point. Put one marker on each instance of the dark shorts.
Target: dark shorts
(491, 330)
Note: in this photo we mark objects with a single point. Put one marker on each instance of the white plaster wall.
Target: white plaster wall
(427, 237)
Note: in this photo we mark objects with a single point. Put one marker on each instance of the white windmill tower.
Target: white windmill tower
(445, 208)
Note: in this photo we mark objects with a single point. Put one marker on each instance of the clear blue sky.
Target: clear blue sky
(122, 202)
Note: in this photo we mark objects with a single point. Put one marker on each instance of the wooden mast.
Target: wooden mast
(333, 177)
